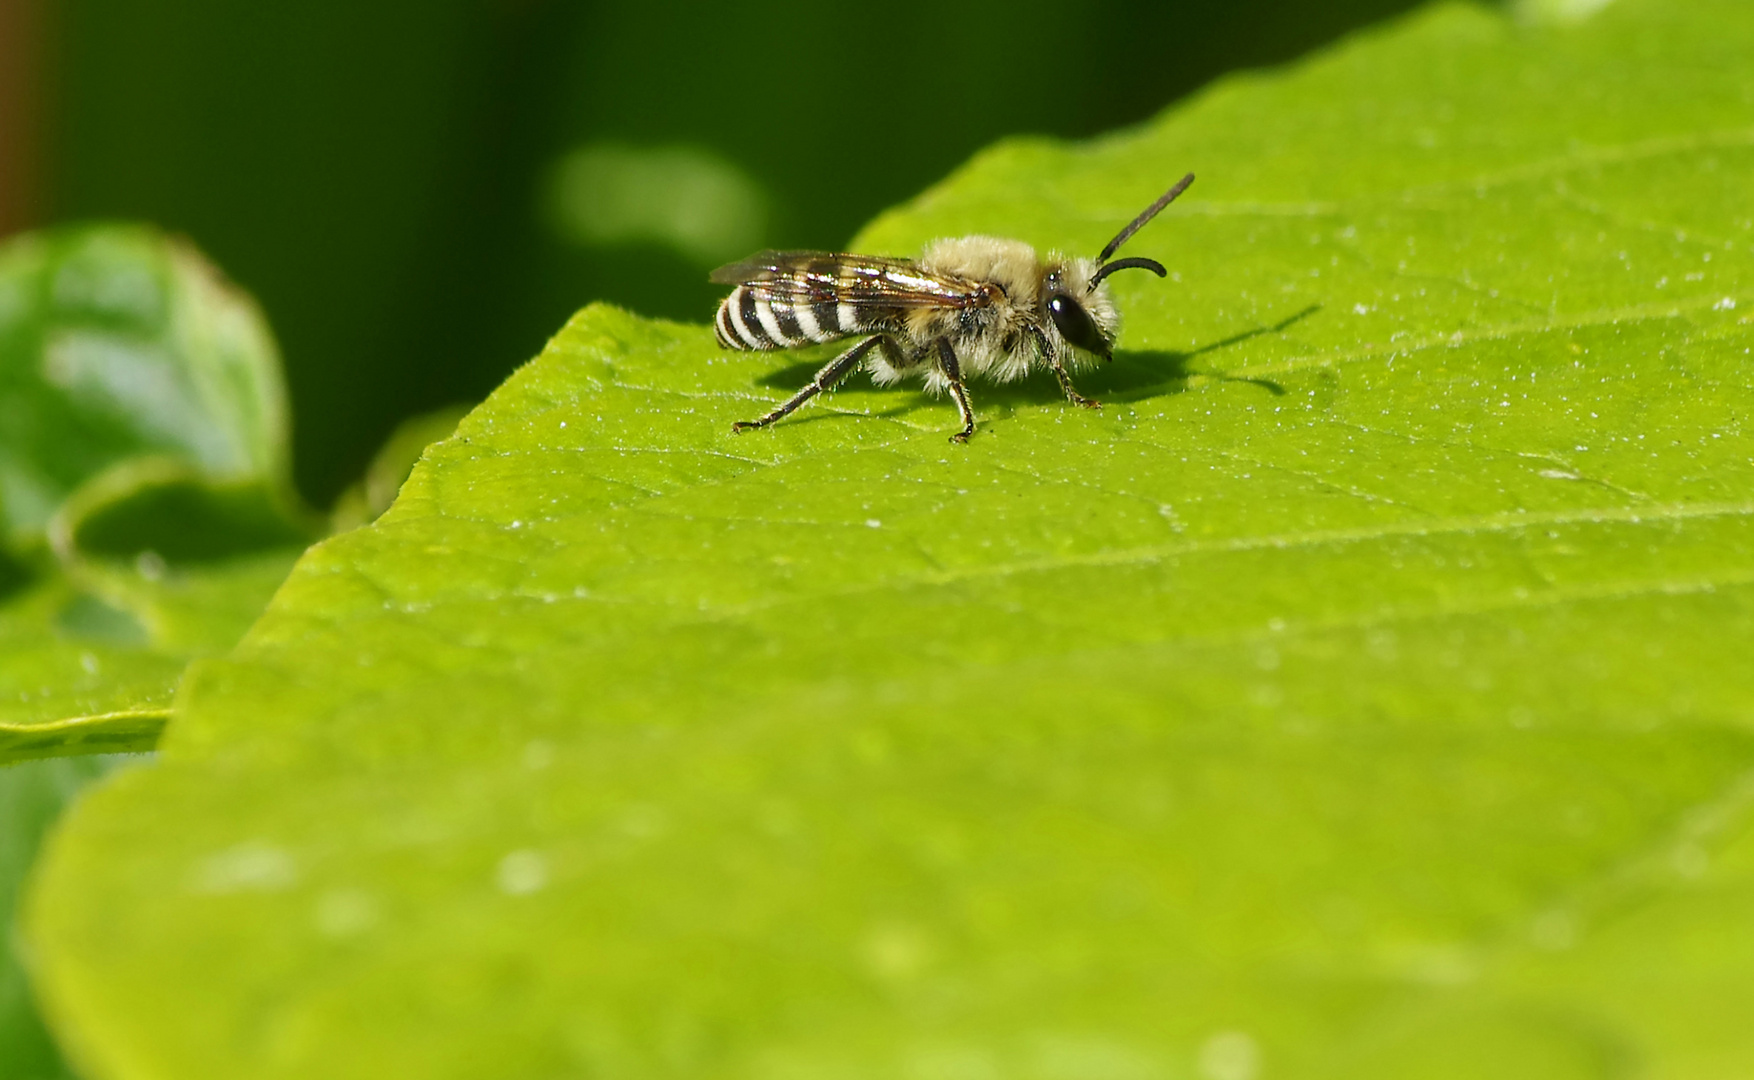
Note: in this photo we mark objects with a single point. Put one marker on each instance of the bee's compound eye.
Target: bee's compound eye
(1076, 325)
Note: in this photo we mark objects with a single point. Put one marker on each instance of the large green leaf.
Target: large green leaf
(1363, 692)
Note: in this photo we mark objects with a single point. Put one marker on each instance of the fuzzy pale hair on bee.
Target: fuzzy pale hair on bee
(971, 305)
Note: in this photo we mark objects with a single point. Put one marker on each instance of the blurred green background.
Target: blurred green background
(420, 194)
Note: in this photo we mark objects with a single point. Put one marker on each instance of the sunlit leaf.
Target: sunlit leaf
(1362, 692)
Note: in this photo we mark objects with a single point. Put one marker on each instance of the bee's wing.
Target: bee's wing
(766, 265)
(859, 280)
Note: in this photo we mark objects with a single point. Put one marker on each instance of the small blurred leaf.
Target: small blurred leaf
(89, 661)
(376, 490)
(682, 197)
(162, 508)
(116, 342)
(143, 490)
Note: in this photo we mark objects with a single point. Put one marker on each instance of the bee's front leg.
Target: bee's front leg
(1065, 378)
(952, 369)
(1046, 349)
(831, 373)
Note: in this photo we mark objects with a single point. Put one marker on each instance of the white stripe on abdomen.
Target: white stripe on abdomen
(764, 312)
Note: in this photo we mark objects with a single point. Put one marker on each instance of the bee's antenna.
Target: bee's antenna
(1140, 222)
(1126, 264)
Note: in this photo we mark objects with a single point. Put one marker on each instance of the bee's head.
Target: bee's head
(1075, 299)
(1077, 303)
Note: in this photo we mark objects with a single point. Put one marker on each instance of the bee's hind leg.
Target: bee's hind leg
(952, 369)
(832, 372)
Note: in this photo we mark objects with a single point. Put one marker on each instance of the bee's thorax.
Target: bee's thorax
(1010, 264)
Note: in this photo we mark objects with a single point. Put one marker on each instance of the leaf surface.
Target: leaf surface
(1362, 692)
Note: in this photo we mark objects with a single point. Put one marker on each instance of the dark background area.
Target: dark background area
(373, 172)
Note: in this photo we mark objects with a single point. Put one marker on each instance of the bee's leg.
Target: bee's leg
(893, 354)
(952, 369)
(831, 373)
(1060, 372)
(1066, 386)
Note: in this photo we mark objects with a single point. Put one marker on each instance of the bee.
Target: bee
(973, 305)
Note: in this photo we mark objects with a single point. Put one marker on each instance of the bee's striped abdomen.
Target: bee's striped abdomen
(748, 320)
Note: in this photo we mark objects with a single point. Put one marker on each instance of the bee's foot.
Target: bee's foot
(962, 436)
(1089, 403)
(744, 425)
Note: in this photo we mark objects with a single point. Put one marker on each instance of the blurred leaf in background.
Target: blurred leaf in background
(386, 184)
(690, 200)
(373, 493)
(144, 482)
(32, 796)
(117, 344)
(147, 515)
